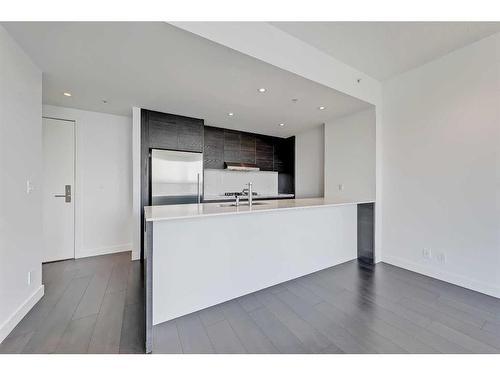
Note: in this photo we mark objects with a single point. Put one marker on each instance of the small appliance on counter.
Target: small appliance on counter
(238, 194)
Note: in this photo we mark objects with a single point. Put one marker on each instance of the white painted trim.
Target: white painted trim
(84, 253)
(449, 277)
(136, 183)
(20, 313)
(377, 253)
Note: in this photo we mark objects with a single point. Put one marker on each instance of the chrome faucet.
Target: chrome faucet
(250, 194)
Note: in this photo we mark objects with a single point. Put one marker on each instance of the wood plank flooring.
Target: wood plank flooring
(349, 308)
(95, 305)
(91, 305)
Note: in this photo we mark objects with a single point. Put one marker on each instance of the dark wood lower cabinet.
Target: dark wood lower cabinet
(366, 232)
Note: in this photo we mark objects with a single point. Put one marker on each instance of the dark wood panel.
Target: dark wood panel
(366, 232)
(173, 132)
(163, 135)
(213, 151)
(268, 153)
(190, 136)
(284, 164)
(264, 150)
(280, 156)
(247, 152)
(232, 146)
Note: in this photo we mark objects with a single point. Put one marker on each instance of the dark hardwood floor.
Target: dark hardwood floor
(91, 305)
(344, 309)
(94, 305)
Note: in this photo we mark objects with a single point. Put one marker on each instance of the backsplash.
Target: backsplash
(219, 181)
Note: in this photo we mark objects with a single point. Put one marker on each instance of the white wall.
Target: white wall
(103, 194)
(310, 163)
(441, 167)
(350, 157)
(20, 160)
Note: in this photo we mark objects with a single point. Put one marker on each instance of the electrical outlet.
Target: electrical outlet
(426, 253)
(341, 187)
(441, 258)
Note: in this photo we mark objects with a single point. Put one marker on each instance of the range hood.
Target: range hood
(246, 167)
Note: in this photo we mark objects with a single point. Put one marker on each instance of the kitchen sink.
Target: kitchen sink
(242, 204)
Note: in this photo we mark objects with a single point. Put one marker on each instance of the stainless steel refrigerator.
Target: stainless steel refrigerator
(176, 177)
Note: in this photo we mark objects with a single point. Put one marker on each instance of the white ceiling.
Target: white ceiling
(385, 49)
(157, 66)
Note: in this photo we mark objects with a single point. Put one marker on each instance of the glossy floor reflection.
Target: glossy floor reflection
(91, 305)
(349, 308)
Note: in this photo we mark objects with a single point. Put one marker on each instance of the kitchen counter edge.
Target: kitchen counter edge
(189, 211)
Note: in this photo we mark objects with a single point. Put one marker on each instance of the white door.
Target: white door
(58, 185)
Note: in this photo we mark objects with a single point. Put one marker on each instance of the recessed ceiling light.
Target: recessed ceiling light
(321, 108)
(282, 124)
(262, 89)
(230, 114)
(67, 94)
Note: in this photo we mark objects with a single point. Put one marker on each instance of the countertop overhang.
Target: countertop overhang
(185, 211)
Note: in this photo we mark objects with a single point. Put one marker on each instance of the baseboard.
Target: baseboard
(449, 277)
(84, 253)
(21, 311)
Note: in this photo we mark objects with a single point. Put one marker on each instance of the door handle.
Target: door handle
(67, 195)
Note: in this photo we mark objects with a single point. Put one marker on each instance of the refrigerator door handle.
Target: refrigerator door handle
(199, 192)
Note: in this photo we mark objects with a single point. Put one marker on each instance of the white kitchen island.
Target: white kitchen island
(199, 255)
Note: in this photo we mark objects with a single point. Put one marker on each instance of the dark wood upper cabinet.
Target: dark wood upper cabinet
(268, 153)
(213, 152)
(173, 132)
(232, 146)
(163, 134)
(190, 135)
(247, 148)
(264, 151)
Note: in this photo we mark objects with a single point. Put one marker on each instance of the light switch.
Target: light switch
(341, 187)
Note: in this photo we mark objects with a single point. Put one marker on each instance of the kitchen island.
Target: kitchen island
(199, 255)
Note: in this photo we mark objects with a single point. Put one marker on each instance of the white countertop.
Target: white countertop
(208, 198)
(183, 211)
